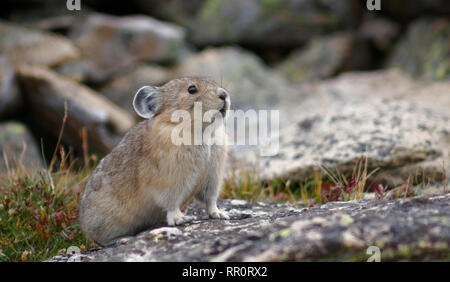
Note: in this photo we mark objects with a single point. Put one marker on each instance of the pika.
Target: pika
(146, 178)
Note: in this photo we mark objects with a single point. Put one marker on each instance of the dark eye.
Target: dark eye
(192, 89)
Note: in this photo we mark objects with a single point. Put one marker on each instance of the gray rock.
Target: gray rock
(10, 100)
(424, 51)
(46, 93)
(259, 23)
(250, 83)
(323, 57)
(75, 70)
(405, 229)
(110, 44)
(24, 45)
(122, 88)
(403, 124)
(389, 83)
(382, 32)
(393, 134)
(18, 148)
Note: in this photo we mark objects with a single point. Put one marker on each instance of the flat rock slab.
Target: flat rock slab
(404, 229)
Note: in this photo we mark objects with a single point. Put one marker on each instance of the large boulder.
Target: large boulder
(250, 83)
(397, 136)
(424, 52)
(110, 44)
(399, 124)
(18, 148)
(263, 24)
(413, 229)
(25, 45)
(46, 94)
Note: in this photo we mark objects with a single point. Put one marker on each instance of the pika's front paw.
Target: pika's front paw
(177, 218)
(217, 214)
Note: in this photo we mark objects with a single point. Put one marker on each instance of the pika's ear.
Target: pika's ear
(146, 101)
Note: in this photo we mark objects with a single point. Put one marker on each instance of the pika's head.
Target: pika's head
(181, 94)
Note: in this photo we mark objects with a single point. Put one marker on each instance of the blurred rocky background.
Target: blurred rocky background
(346, 80)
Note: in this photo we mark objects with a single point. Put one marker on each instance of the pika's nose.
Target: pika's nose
(223, 94)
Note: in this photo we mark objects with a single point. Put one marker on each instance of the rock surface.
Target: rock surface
(25, 45)
(19, 147)
(109, 44)
(321, 58)
(404, 229)
(397, 136)
(390, 83)
(380, 31)
(424, 51)
(46, 93)
(401, 127)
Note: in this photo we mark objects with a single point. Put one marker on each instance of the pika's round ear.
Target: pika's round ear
(146, 101)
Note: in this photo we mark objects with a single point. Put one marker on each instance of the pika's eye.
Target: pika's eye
(192, 89)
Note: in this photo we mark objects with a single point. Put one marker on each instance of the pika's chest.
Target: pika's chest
(201, 156)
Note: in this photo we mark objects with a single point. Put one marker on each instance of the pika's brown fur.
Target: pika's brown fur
(147, 178)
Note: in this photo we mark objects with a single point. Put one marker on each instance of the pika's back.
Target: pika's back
(118, 167)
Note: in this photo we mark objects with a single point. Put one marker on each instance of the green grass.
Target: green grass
(38, 215)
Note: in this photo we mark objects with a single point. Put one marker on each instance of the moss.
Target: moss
(210, 17)
(346, 220)
(210, 10)
(16, 129)
(425, 52)
(421, 251)
(281, 233)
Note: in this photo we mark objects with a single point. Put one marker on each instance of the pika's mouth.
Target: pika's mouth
(224, 96)
(225, 108)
